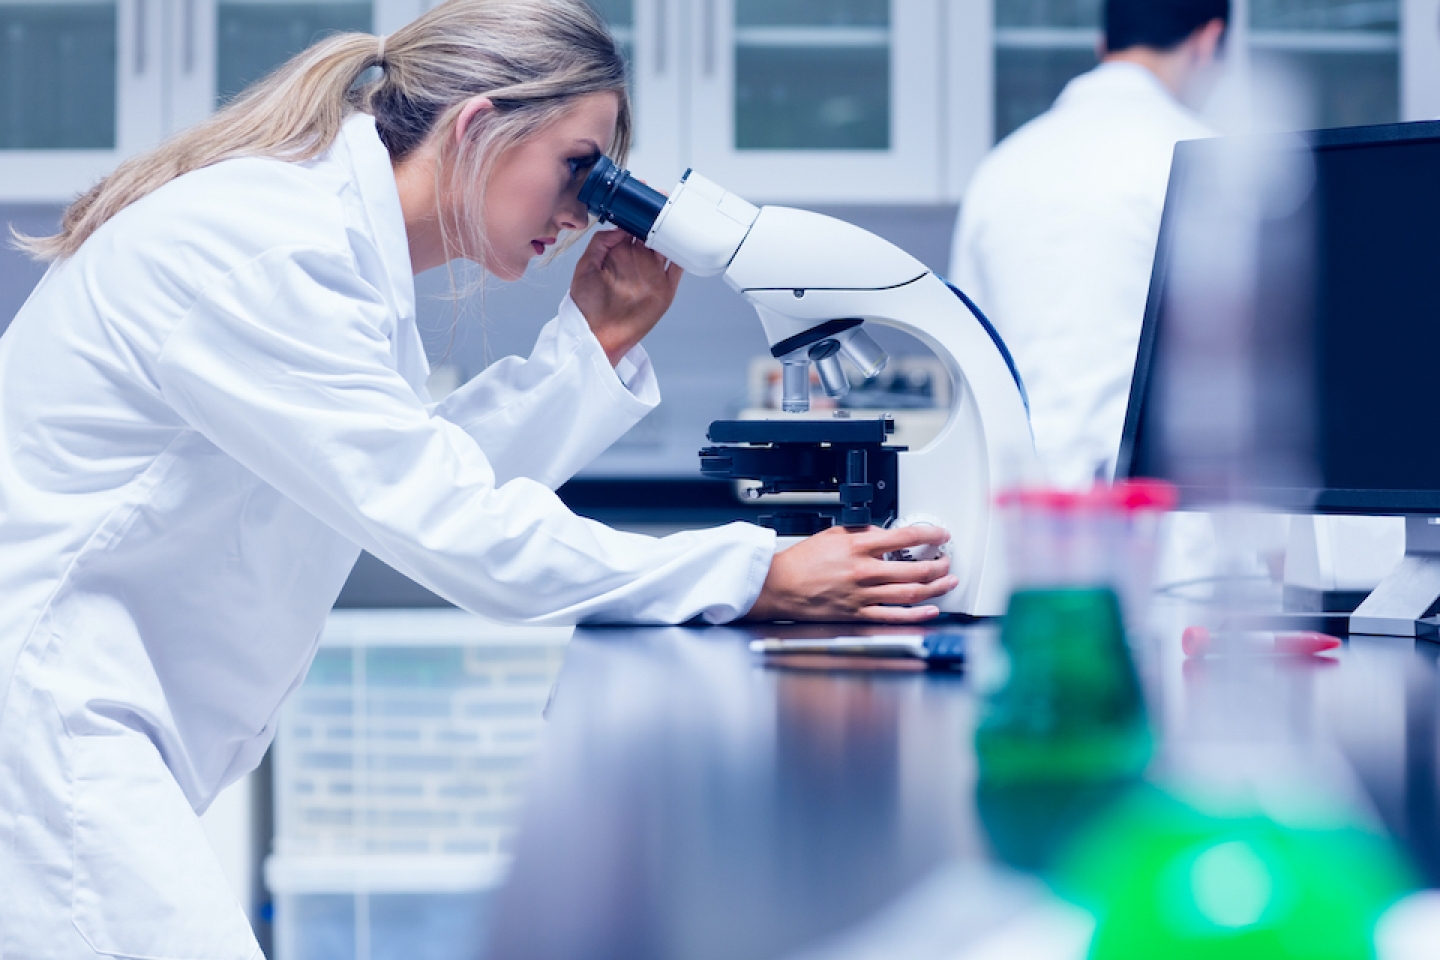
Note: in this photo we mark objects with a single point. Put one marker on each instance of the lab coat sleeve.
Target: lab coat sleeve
(565, 393)
(286, 366)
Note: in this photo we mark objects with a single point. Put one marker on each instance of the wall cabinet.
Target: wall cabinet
(1346, 55)
(802, 100)
(85, 84)
(808, 101)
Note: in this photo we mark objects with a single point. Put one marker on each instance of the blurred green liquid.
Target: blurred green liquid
(1067, 733)
(1165, 879)
(1071, 709)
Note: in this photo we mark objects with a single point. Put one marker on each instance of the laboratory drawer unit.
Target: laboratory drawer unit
(399, 765)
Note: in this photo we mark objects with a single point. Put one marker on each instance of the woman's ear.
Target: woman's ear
(473, 108)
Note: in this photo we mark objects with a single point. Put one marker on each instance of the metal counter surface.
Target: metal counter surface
(689, 802)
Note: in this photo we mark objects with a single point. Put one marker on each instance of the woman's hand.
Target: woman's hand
(623, 288)
(840, 575)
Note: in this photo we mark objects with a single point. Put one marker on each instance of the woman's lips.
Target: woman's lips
(540, 245)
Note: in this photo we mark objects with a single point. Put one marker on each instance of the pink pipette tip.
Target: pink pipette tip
(1198, 641)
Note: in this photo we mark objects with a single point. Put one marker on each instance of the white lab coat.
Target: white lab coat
(206, 413)
(1055, 242)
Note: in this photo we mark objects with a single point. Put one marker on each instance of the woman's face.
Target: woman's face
(532, 192)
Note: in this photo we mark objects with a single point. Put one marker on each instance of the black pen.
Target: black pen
(945, 648)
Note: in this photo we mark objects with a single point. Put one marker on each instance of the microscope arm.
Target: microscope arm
(815, 282)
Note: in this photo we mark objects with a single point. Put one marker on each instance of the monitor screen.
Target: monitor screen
(1347, 292)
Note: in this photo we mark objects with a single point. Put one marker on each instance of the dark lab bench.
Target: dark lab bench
(688, 802)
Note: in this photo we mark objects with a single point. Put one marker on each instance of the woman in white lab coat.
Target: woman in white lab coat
(215, 398)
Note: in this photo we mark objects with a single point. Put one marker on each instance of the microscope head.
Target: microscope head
(699, 226)
(708, 230)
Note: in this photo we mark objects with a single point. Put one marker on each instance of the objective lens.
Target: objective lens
(865, 353)
(612, 195)
(795, 384)
(826, 356)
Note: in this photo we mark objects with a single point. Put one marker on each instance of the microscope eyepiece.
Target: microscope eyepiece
(612, 195)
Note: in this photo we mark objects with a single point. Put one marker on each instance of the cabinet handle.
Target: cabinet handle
(140, 31)
(662, 38)
(707, 14)
(187, 33)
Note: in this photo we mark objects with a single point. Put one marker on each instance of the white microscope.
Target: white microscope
(815, 281)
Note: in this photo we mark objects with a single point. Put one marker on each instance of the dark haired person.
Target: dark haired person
(1057, 229)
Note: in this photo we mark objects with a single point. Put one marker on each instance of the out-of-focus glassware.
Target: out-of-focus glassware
(1071, 707)
(1105, 537)
(812, 75)
(58, 75)
(1068, 730)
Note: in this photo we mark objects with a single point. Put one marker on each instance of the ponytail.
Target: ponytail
(532, 58)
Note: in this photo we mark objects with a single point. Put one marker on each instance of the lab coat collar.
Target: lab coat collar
(375, 179)
(1118, 77)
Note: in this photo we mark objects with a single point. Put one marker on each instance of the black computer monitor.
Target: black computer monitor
(1360, 318)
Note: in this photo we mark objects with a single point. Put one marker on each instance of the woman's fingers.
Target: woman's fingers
(600, 245)
(623, 289)
(908, 594)
(898, 614)
(876, 541)
(673, 273)
(644, 264)
(876, 572)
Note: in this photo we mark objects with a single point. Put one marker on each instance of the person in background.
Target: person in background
(1057, 231)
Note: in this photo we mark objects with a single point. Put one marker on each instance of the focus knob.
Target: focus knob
(924, 551)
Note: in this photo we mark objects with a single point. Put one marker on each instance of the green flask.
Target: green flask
(1067, 732)
(1071, 708)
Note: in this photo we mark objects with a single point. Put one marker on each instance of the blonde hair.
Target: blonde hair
(532, 58)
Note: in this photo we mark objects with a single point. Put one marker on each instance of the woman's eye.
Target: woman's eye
(581, 165)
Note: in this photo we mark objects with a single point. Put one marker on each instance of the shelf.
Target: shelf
(384, 874)
(1325, 41)
(813, 37)
(1046, 38)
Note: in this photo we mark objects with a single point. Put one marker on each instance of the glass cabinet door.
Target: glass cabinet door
(68, 68)
(648, 34)
(85, 83)
(57, 75)
(1346, 53)
(1040, 45)
(816, 99)
(223, 46)
(253, 37)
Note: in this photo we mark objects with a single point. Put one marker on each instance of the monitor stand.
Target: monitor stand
(1411, 591)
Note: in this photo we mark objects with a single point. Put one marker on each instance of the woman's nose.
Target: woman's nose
(573, 214)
